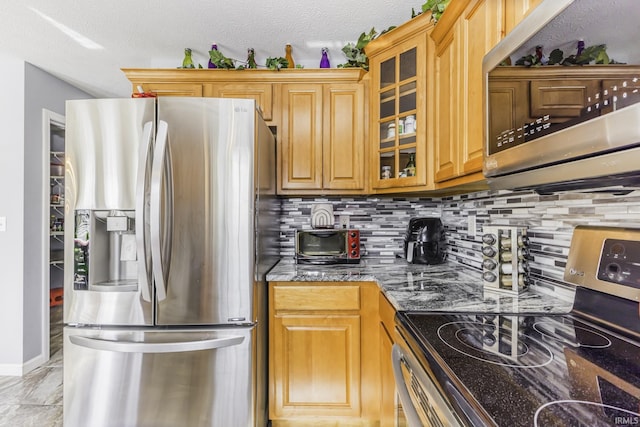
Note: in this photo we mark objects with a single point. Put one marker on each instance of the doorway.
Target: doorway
(53, 136)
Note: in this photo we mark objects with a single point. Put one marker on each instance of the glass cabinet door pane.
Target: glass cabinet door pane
(407, 97)
(387, 103)
(407, 162)
(407, 102)
(408, 64)
(387, 165)
(388, 72)
(387, 134)
(407, 138)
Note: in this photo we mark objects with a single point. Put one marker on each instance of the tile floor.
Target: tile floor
(35, 400)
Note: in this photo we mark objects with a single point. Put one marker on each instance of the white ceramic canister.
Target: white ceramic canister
(391, 130)
(410, 124)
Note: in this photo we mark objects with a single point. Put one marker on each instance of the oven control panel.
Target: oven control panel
(620, 262)
(605, 259)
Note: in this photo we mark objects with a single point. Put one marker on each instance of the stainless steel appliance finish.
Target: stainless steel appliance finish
(599, 148)
(605, 270)
(124, 377)
(423, 404)
(101, 165)
(494, 369)
(211, 266)
(172, 231)
(328, 246)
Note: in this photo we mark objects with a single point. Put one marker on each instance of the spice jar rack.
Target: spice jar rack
(505, 256)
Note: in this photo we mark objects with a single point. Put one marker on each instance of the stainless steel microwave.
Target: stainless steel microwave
(564, 127)
(328, 246)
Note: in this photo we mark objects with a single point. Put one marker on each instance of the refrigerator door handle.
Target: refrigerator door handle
(155, 347)
(143, 273)
(157, 256)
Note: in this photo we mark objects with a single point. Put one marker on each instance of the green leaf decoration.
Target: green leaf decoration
(555, 57)
(436, 7)
(356, 56)
(596, 54)
(277, 63)
(220, 60)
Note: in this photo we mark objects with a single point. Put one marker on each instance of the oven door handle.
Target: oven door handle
(397, 356)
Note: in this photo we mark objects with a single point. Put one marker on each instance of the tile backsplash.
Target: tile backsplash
(381, 220)
(550, 220)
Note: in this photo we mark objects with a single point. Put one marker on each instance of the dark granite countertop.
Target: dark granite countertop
(448, 287)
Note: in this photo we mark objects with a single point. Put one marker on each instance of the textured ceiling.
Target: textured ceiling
(154, 33)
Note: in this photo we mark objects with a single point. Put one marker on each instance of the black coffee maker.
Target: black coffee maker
(424, 241)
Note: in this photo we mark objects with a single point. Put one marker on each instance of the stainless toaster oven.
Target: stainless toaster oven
(328, 246)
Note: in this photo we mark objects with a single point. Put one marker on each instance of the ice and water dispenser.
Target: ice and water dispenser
(105, 257)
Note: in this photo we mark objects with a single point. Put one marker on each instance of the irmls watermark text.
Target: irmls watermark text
(630, 420)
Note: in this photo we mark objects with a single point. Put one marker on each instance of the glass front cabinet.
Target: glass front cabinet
(400, 127)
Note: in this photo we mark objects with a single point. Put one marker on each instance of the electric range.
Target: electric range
(578, 369)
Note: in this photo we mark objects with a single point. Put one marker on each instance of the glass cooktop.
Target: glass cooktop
(529, 370)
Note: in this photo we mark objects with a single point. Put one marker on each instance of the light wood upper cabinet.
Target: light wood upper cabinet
(247, 84)
(262, 93)
(464, 34)
(320, 117)
(516, 10)
(323, 353)
(301, 137)
(447, 106)
(400, 66)
(172, 89)
(344, 133)
(322, 138)
(482, 30)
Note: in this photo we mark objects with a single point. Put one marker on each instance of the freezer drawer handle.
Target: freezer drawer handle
(154, 347)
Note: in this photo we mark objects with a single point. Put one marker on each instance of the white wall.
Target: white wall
(27, 90)
(41, 90)
(11, 207)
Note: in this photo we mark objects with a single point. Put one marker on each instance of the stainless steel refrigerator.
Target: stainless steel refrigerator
(170, 228)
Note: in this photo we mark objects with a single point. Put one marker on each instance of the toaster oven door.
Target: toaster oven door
(328, 243)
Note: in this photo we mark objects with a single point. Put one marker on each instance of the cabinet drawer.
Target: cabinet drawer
(321, 297)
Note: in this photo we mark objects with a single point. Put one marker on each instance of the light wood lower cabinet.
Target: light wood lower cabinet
(323, 354)
(388, 397)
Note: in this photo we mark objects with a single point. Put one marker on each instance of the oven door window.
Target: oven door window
(319, 243)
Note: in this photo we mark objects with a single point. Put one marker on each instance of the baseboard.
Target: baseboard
(17, 370)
